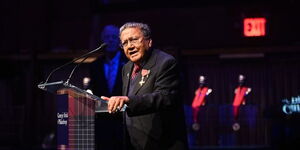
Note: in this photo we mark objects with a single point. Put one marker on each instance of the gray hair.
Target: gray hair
(144, 28)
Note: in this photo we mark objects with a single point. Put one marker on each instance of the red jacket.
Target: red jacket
(199, 98)
(240, 94)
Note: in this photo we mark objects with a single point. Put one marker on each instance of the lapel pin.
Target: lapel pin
(145, 73)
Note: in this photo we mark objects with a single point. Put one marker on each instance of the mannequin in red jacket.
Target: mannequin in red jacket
(199, 100)
(239, 99)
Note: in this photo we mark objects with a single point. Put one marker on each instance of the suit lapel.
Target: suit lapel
(136, 86)
(149, 64)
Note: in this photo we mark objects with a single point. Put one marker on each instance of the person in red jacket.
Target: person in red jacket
(239, 99)
(199, 100)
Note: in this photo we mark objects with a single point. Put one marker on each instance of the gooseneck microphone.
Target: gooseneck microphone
(82, 56)
(74, 69)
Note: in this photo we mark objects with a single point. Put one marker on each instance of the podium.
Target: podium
(75, 115)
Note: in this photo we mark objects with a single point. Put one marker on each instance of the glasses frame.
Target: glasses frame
(132, 40)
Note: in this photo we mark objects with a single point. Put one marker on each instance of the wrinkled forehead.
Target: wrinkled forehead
(131, 32)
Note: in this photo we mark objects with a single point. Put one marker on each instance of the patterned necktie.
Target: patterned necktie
(135, 71)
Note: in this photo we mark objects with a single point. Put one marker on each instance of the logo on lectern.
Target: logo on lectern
(62, 118)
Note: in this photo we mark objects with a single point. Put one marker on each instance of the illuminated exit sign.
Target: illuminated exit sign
(254, 27)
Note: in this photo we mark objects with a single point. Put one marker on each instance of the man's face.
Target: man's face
(135, 45)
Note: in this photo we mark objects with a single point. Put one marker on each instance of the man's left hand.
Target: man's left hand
(115, 103)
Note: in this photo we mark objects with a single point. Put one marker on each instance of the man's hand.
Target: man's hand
(115, 103)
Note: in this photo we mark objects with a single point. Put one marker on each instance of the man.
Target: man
(106, 79)
(239, 98)
(154, 113)
(199, 100)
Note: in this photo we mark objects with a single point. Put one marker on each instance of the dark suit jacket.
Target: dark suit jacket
(154, 116)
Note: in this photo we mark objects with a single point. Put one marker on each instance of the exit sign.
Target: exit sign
(254, 27)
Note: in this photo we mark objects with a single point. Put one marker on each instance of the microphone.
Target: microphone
(82, 56)
(74, 69)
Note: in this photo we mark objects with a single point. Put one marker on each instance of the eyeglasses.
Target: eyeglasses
(133, 40)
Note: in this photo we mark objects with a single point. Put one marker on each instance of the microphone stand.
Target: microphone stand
(82, 56)
(74, 69)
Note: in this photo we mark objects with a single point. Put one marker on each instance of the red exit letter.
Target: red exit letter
(254, 27)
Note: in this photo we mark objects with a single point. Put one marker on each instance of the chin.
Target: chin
(134, 59)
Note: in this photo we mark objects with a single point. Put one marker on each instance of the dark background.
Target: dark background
(205, 36)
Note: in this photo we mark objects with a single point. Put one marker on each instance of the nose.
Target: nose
(130, 43)
(130, 46)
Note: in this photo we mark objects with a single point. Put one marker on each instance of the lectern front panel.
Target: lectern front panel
(75, 122)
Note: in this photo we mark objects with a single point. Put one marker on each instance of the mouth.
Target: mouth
(132, 53)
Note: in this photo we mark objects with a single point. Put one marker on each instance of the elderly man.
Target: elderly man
(154, 113)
